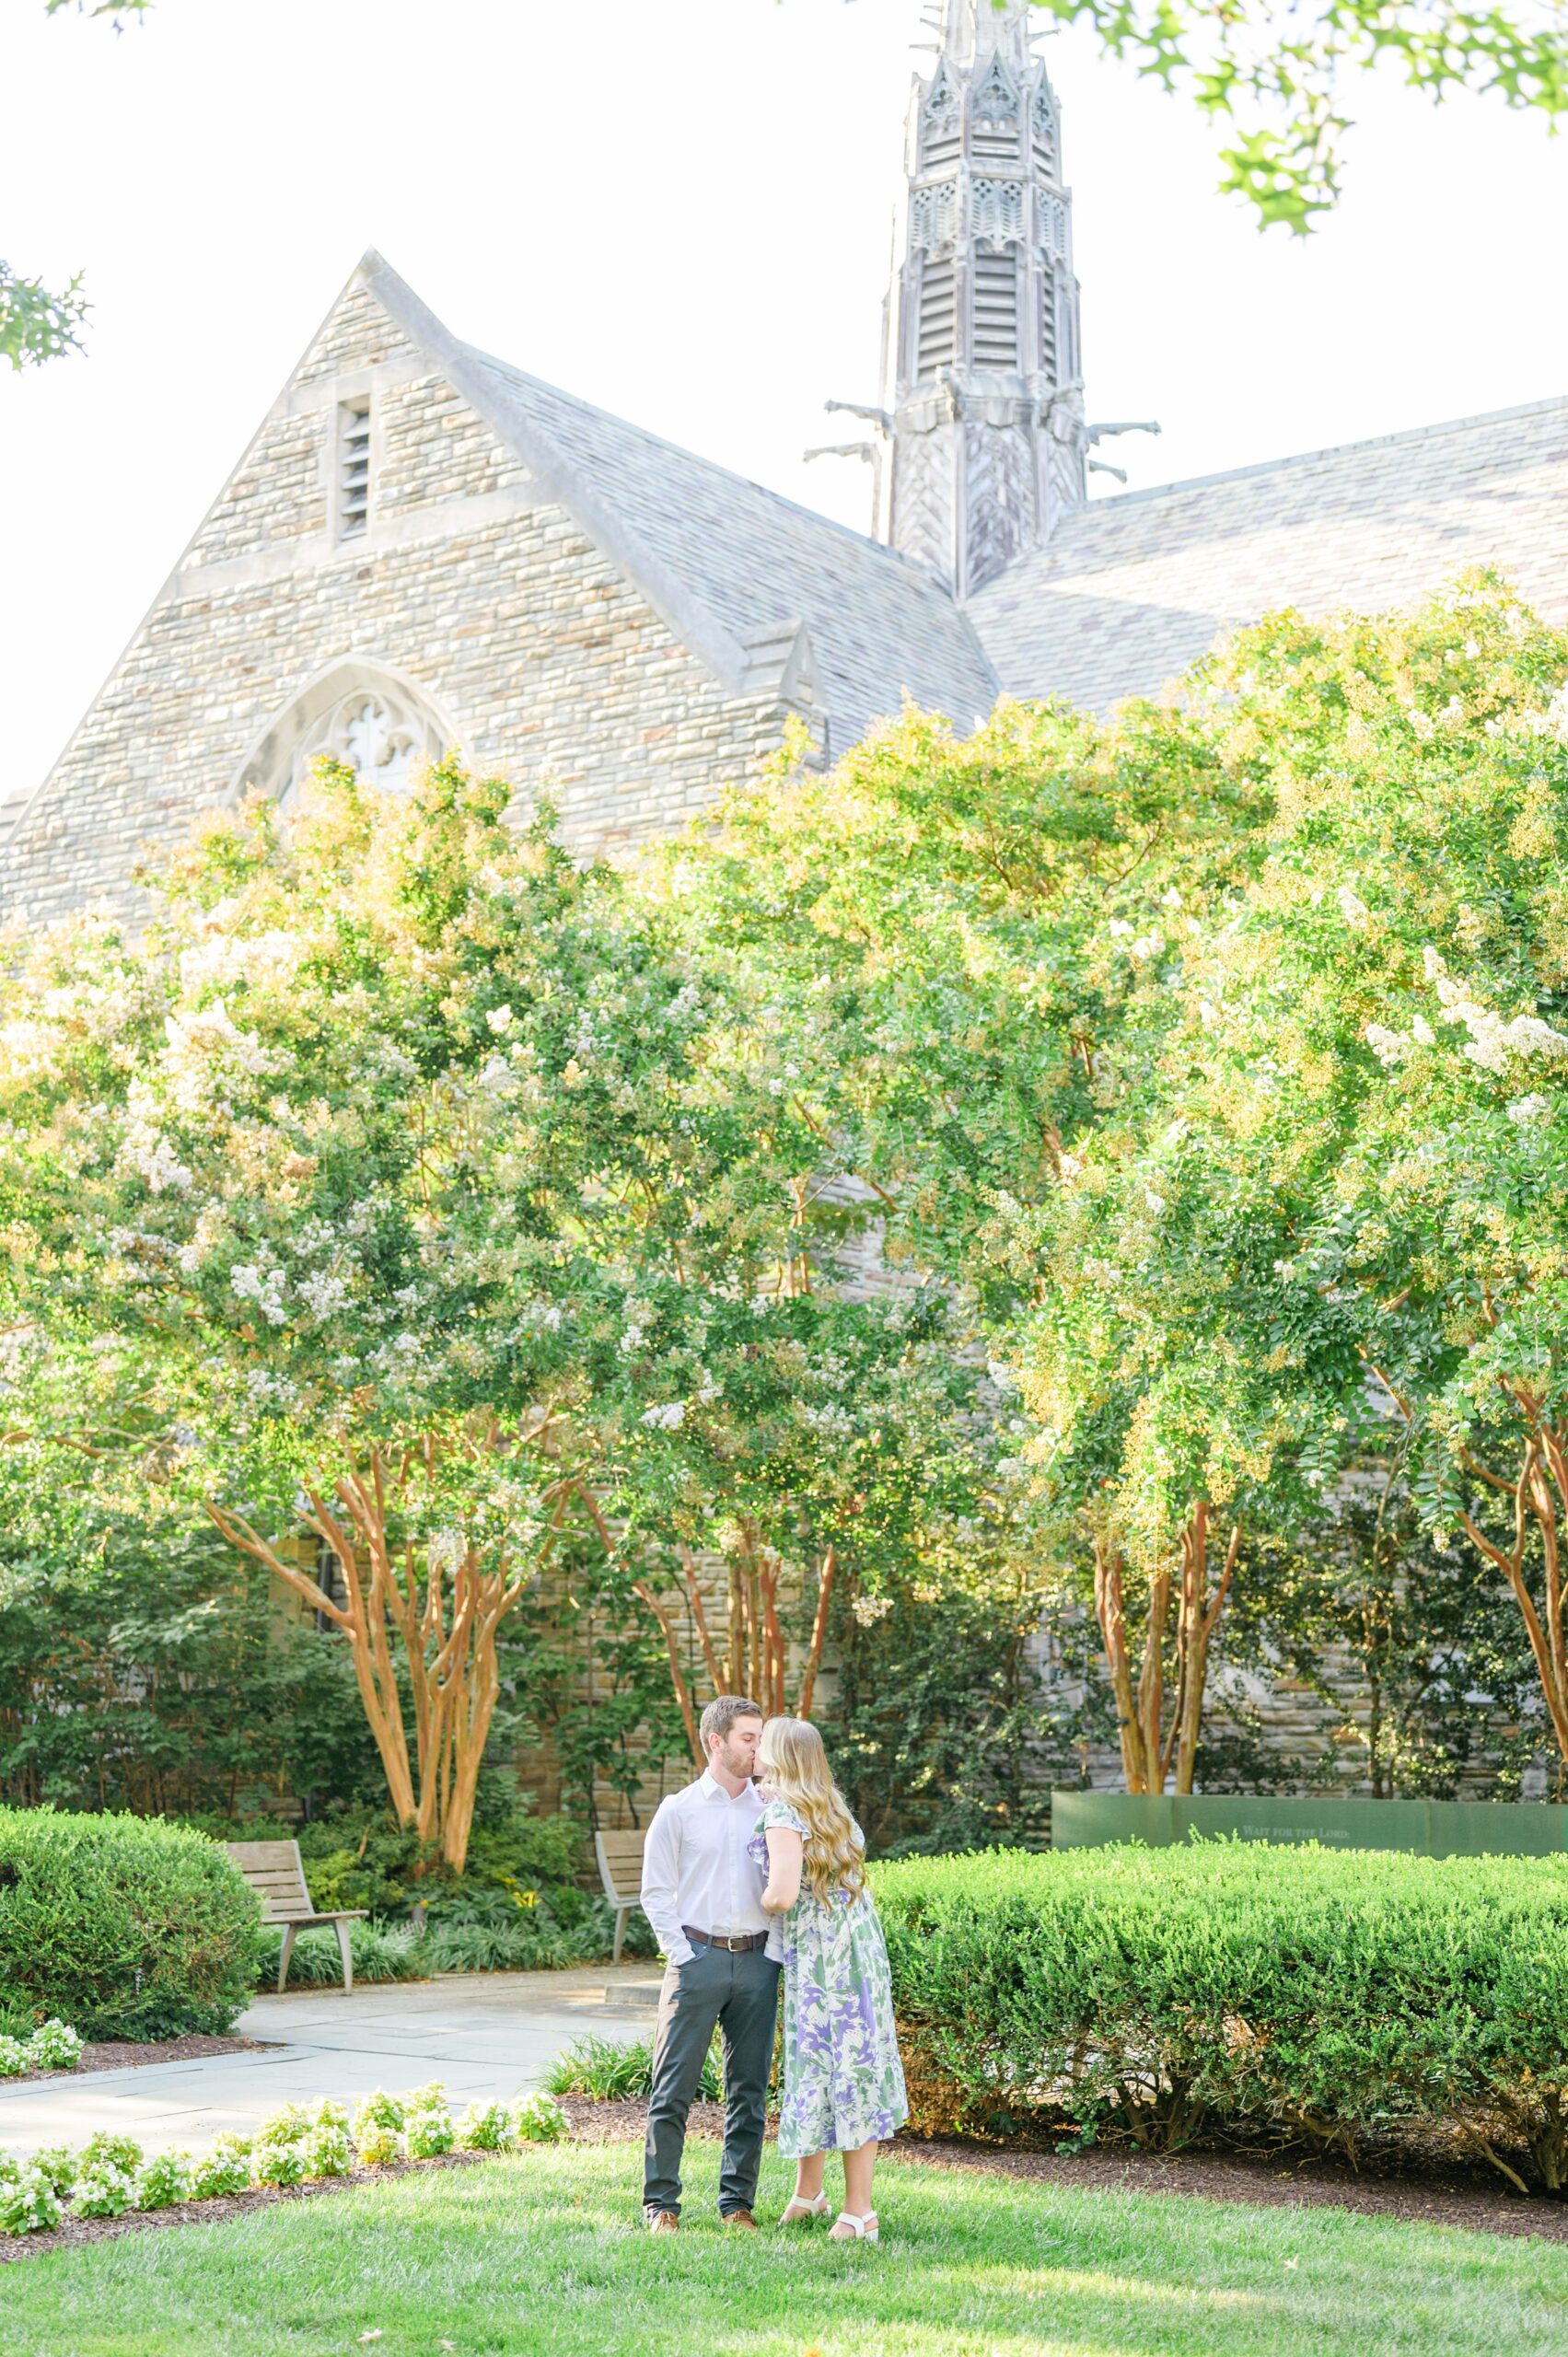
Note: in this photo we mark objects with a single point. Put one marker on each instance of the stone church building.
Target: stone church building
(425, 547)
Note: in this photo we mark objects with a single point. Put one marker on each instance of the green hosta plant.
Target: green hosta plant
(165, 2180)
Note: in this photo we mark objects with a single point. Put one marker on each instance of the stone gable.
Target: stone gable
(548, 665)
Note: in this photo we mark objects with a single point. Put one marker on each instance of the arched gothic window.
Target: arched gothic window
(358, 712)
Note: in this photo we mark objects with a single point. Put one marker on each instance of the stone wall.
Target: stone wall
(553, 670)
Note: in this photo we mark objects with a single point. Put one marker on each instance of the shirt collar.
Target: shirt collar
(712, 1790)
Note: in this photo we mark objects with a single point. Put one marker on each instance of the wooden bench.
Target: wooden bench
(621, 1871)
(276, 1873)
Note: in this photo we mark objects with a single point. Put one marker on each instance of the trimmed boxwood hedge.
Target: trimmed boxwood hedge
(1229, 1987)
(124, 1926)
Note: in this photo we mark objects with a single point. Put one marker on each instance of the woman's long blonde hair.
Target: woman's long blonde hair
(794, 1765)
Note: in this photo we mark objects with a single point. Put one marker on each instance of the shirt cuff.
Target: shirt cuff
(683, 1955)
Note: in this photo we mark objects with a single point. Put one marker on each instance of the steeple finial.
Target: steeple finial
(971, 29)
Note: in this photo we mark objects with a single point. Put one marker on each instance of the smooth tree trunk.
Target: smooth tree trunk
(436, 1607)
(1159, 1731)
(753, 1657)
(1539, 1496)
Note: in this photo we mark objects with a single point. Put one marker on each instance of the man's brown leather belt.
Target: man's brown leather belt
(738, 1945)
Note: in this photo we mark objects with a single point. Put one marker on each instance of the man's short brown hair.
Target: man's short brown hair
(722, 1711)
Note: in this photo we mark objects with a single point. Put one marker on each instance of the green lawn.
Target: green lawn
(545, 2254)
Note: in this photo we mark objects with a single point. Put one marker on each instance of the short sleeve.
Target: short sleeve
(776, 1814)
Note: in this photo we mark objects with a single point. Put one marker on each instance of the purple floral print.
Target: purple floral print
(843, 2081)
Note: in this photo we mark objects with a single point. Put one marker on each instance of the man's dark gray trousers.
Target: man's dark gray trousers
(739, 1996)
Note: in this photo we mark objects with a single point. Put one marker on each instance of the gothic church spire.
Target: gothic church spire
(989, 443)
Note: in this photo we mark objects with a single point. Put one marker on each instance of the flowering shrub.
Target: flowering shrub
(54, 2047)
(103, 2190)
(277, 2160)
(538, 2119)
(486, 2127)
(15, 2057)
(29, 2203)
(105, 2150)
(164, 2180)
(378, 2126)
(58, 2163)
(301, 2141)
(327, 2146)
(223, 2170)
(429, 2122)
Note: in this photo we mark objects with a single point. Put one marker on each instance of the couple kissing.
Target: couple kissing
(757, 1872)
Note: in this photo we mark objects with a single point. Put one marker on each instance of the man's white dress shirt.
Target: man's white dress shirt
(696, 1870)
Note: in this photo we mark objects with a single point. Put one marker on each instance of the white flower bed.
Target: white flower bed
(55, 2046)
(111, 2174)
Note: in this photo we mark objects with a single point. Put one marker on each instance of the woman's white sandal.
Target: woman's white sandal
(864, 2230)
(798, 2206)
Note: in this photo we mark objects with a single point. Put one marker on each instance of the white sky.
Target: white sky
(679, 208)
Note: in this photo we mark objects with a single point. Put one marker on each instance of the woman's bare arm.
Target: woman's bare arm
(786, 1857)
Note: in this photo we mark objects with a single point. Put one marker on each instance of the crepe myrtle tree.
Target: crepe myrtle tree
(957, 946)
(1189, 1409)
(974, 951)
(817, 1442)
(374, 1142)
(1385, 1024)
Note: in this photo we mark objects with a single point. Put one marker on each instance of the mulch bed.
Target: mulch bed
(73, 2232)
(1449, 2197)
(123, 2053)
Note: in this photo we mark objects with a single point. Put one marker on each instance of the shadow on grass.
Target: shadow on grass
(546, 2253)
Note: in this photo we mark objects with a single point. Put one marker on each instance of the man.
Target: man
(702, 1894)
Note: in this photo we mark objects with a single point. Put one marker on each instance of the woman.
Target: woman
(843, 2086)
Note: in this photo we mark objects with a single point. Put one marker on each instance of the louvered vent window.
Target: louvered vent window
(938, 317)
(1046, 153)
(996, 310)
(996, 143)
(353, 469)
(1047, 354)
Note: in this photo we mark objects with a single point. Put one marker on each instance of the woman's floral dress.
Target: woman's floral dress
(843, 2084)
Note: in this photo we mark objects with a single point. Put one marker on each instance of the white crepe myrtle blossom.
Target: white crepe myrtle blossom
(1529, 1111)
(1353, 910)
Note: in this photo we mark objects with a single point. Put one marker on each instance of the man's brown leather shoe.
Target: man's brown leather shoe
(740, 2218)
(662, 2222)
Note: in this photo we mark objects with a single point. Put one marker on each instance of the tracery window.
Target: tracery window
(360, 713)
(993, 115)
(941, 120)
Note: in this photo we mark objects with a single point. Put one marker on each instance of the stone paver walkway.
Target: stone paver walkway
(484, 2034)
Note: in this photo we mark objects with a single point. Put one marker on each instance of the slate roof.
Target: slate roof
(726, 560)
(1135, 588)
